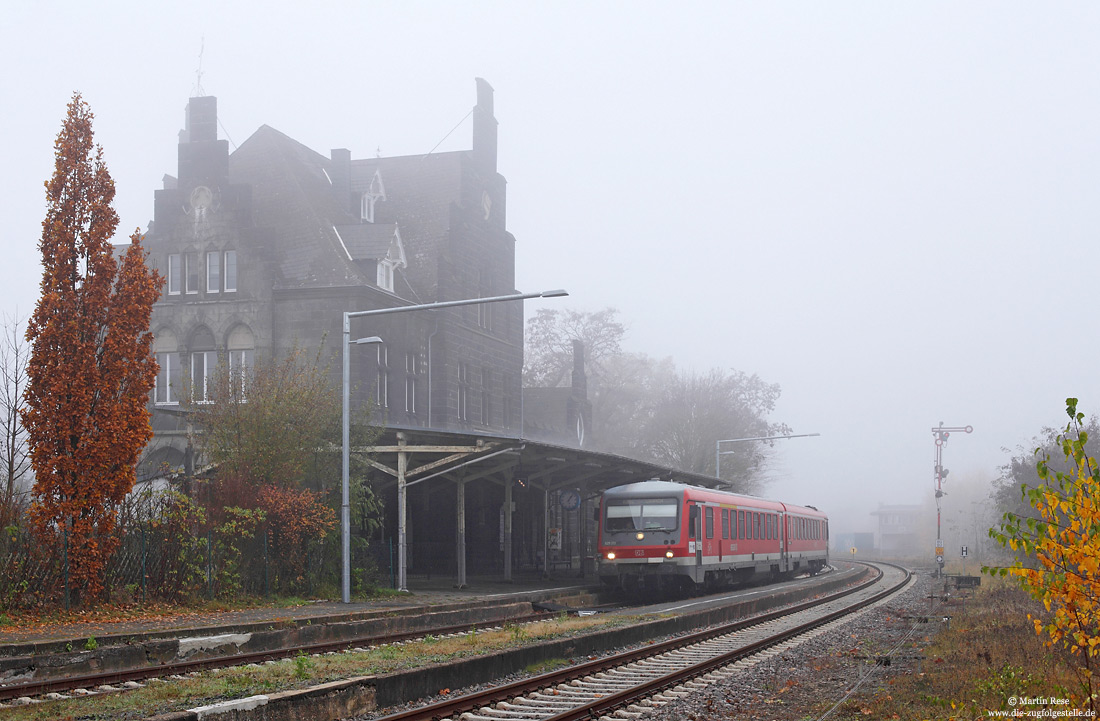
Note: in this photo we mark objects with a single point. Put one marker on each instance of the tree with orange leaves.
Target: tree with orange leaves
(91, 366)
(1062, 535)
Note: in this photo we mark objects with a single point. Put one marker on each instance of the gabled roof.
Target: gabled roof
(295, 211)
(372, 241)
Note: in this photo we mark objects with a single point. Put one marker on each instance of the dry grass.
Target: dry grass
(239, 682)
(987, 654)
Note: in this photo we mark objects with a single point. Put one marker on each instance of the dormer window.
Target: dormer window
(376, 192)
(385, 274)
(367, 209)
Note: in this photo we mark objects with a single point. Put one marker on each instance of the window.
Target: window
(463, 391)
(650, 514)
(203, 365)
(174, 274)
(412, 373)
(366, 207)
(191, 273)
(725, 523)
(230, 271)
(710, 521)
(213, 272)
(486, 375)
(758, 532)
(506, 399)
(740, 525)
(167, 384)
(385, 275)
(382, 388)
(240, 363)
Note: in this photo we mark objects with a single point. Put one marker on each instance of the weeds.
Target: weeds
(303, 666)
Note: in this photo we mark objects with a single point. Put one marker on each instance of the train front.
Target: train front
(642, 540)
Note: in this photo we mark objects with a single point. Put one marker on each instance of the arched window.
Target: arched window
(166, 349)
(204, 361)
(241, 346)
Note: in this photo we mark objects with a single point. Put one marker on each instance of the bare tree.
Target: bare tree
(548, 345)
(14, 461)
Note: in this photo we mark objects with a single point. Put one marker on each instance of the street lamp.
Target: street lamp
(718, 453)
(345, 515)
(345, 430)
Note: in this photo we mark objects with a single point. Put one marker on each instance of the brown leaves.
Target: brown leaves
(90, 368)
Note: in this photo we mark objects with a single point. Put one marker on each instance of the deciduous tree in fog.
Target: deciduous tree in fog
(645, 408)
(14, 461)
(90, 368)
(693, 411)
(1061, 534)
(548, 344)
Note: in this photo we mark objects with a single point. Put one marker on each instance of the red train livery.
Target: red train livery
(660, 534)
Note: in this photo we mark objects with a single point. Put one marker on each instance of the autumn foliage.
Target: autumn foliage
(90, 368)
(1060, 545)
(297, 516)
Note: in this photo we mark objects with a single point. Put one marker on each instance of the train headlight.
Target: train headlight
(640, 536)
(668, 554)
(611, 555)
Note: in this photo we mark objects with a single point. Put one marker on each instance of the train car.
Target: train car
(658, 535)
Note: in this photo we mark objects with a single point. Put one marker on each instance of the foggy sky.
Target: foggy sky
(889, 209)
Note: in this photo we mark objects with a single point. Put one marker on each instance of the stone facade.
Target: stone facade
(264, 248)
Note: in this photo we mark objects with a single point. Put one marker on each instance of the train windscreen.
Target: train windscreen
(641, 514)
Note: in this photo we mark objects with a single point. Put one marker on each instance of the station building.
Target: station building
(264, 248)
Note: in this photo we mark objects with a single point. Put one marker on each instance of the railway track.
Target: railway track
(655, 674)
(122, 680)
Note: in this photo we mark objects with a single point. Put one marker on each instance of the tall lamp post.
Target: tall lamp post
(718, 452)
(345, 514)
(345, 431)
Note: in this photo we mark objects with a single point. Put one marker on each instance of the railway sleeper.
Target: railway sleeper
(495, 713)
(527, 703)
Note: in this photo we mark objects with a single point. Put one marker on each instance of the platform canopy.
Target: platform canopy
(438, 455)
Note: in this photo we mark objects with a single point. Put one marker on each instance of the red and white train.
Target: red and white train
(663, 535)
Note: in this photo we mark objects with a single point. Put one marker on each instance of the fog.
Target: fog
(889, 209)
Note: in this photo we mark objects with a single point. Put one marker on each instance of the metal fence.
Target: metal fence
(175, 564)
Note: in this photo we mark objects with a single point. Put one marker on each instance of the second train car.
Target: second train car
(661, 535)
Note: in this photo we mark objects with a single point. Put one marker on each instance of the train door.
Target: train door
(695, 537)
(784, 561)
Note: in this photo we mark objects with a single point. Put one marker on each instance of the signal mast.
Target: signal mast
(941, 435)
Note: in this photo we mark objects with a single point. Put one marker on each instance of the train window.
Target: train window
(693, 521)
(771, 526)
(740, 525)
(756, 526)
(641, 514)
(710, 521)
(725, 523)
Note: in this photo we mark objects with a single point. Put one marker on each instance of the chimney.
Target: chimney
(203, 159)
(485, 126)
(201, 123)
(580, 378)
